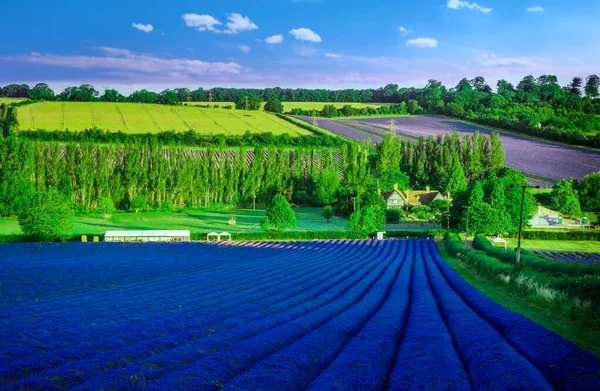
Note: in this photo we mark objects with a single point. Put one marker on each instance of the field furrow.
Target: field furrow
(360, 315)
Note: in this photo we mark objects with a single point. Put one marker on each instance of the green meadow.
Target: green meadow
(149, 118)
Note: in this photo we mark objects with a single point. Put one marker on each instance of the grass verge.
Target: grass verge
(581, 332)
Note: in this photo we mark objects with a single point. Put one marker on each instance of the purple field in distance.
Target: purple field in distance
(339, 129)
(533, 157)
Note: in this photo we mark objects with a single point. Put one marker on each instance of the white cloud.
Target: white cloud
(122, 60)
(404, 31)
(492, 60)
(457, 4)
(306, 51)
(237, 23)
(244, 49)
(201, 22)
(332, 55)
(304, 34)
(422, 43)
(273, 39)
(537, 8)
(147, 28)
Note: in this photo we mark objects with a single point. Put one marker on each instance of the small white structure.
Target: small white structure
(218, 236)
(498, 240)
(213, 235)
(380, 235)
(148, 236)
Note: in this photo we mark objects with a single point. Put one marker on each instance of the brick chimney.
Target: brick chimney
(427, 188)
(396, 186)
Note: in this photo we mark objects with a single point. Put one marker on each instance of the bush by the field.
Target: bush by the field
(561, 235)
(535, 262)
(578, 294)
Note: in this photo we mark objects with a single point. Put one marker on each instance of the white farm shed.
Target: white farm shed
(148, 236)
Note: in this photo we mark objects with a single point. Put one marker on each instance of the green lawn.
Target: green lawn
(149, 118)
(588, 246)
(197, 221)
(580, 333)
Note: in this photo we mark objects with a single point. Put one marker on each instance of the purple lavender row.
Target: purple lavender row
(339, 129)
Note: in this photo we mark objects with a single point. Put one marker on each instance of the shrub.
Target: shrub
(328, 213)
(393, 216)
(106, 207)
(47, 216)
(138, 203)
(274, 105)
(280, 215)
(301, 198)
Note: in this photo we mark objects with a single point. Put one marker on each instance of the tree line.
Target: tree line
(538, 106)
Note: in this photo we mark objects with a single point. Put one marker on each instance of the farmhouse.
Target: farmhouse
(410, 198)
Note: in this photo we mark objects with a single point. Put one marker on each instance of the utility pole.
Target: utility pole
(393, 127)
(314, 118)
(467, 231)
(523, 187)
(211, 97)
(246, 103)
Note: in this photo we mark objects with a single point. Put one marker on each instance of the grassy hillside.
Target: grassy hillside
(149, 118)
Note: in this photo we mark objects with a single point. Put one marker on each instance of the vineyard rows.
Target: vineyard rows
(361, 315)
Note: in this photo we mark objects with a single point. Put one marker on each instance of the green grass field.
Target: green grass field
(11, 100)
(588, 246)
(197, 221)
(149, 118)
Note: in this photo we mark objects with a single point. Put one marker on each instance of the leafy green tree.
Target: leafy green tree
(168, 97)
(248, 102)
(327, 184)
(280, 215)
(47, 216)
(41, 91)
(482, 218)
(328, 213)
(274, 105)
(106, 206)
(457, 181)
(591, 86)
(590, 191)
(138, 203)
(497, 154)
(564, 198)
(370, 215)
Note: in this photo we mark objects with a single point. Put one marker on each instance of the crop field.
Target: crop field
(149, 118)
(533, 157)
(4, 100)
(360, 315)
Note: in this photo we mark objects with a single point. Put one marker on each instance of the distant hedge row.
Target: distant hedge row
(533, 261)
(189, 138)
(576, 295)
(258, 236)
(561, 235)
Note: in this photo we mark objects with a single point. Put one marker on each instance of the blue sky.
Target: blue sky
(132, 44)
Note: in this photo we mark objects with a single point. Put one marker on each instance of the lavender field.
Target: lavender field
(322, 315)
(533, 157)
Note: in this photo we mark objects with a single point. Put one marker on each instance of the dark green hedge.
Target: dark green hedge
(562, 235)
(535, 262)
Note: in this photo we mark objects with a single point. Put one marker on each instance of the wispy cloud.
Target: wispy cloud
(422, 43)
(492, 60)
(274, 39)
(370, 60)
(244, 49)
(123, 60)
(304, 34)
(537, 8)
(404, 31)
(147, 28)
(236, 23)
(457, 4)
